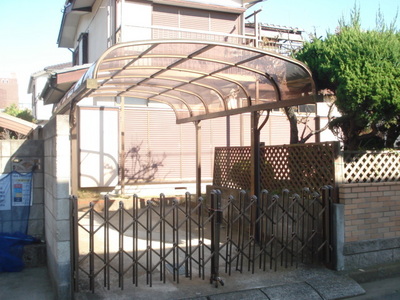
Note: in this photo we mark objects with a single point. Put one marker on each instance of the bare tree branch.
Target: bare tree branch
(303, 138)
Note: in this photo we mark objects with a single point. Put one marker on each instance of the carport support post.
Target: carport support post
(122, 143)
(255, 155)
(255, 148)
(255, 166)
(255, 162)
(198, 159)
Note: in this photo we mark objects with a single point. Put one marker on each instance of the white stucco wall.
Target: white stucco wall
(136, 17)
(41, 112)
(96, 24)
(99, 147)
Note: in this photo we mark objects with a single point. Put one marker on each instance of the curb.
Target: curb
(373, 273)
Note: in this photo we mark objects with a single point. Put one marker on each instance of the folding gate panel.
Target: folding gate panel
(159, 239)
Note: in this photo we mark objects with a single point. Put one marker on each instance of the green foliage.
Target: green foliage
(15, 111)
(362, 67)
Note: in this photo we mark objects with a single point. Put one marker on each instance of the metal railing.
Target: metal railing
(135, 32)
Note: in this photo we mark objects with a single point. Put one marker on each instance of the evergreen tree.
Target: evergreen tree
(362, 68)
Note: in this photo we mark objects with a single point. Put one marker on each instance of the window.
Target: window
(306, 108)
(80, 55)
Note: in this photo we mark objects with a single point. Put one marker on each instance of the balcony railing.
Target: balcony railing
(134, 33)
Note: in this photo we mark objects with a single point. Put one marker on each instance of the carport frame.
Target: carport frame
(120, 80)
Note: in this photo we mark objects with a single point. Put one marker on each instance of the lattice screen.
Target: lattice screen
(371, 166)
(288, 166)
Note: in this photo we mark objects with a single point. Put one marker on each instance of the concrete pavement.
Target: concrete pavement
(384, 289)
(297, 284)
(305, 282)
(29, 284)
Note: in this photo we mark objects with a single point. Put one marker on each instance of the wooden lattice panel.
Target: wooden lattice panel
(371, 166)
(288, 166)
(232, 167)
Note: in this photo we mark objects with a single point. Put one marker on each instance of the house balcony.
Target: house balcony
(129, 33)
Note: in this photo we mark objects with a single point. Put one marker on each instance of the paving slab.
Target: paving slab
(293, 291)
(240, 295)
(387, 289)
(332, 286)
(305, 282)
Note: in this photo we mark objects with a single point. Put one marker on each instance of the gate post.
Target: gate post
(74, 242)
(216, 221)
(328, 221)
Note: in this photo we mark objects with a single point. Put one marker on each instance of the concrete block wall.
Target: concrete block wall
(22, 155)
(371, 218)
(57, 166)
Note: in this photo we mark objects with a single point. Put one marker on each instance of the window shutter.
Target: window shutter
(194, 19)
(164, 15)
(225, 22)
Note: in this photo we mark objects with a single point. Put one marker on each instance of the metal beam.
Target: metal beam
(198, 159)
(247, 109)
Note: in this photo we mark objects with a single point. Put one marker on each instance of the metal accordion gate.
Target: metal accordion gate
(168, 239)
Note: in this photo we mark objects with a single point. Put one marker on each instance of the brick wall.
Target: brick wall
(371, 211)
(371, 218)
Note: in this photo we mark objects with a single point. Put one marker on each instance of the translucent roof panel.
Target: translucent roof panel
(198, 79)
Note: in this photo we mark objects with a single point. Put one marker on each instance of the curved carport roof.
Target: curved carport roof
(197, 79)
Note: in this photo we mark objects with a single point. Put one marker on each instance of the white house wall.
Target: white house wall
(136, 17)
(41, 112)
(96, 24)
(99, 147)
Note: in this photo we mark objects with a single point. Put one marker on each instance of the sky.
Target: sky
(322, 16)
(29, 29)
(28, 34)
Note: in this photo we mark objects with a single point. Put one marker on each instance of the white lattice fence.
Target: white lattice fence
(371, 166)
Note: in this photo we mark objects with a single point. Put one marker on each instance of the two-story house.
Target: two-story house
(127, 138)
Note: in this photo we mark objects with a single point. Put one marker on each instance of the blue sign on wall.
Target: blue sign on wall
(15, 190)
